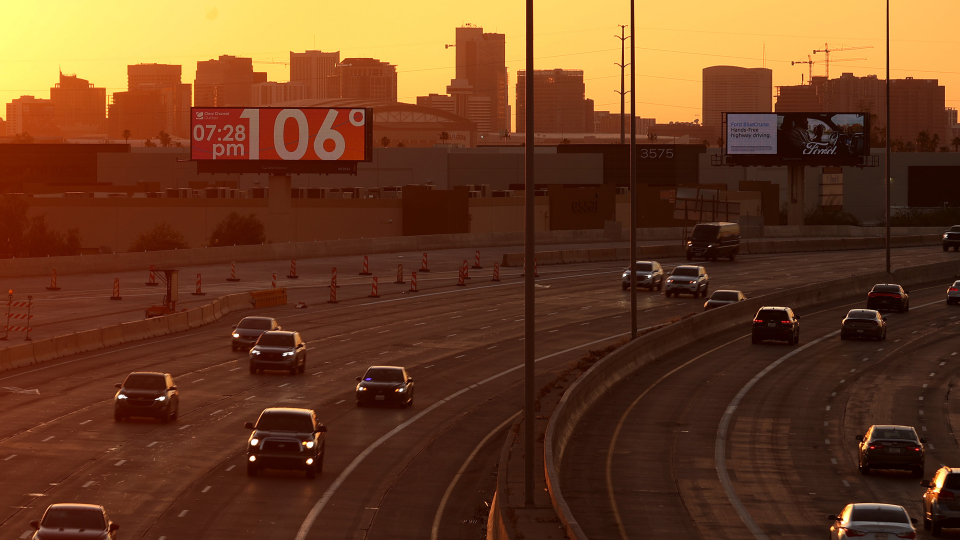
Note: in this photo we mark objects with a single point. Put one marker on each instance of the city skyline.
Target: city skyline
(670, 58)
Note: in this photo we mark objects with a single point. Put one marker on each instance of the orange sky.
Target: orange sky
(96, 40)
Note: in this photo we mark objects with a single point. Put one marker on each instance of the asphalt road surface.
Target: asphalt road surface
(386, 470)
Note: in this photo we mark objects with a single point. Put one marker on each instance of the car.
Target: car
(688, 280)
(941, 501)
(63, 521)
(279, 350)
(891, 447)
(863, 323)
(714, 240)
(723, 298)
(246, 332)
(951, 238)
(953, 293)
(888, 296)
(385, 384)
(147, 394)
(286, 438)
(872, 521)
(776, 323)
(649, 275)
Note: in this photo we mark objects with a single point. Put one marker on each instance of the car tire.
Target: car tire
(865, 470)
(918, 471)
(253, 370)
(252, 469)
(319, 462)
(907, 309)
(311, 471)
(117, 417)
(796, 338)
(706, 291)
(624, 286)
(926, 521)
(294, 370)
(733, 256)
(754, 340)
(660, 285)
(936, 529)
(689, 257)
(176, 413)
(303, 366)
(843, 337)
(667, 294)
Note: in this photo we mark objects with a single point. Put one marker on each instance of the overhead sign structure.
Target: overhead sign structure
(815, 139)
(280, 140)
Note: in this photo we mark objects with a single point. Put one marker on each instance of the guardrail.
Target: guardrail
(269, 297)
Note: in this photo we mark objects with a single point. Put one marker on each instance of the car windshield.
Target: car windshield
(145, 381)
(886, 288)
(643, 267)
(956, 283)
(955, 228)
(705, 233)
(691, 271)
(879, 514)
(726, 296)
(383, 375)
(276, 340)
(280, 421)
(772, 315)
(251, 323)
(867, 314)
(74, 518)
(894, 434)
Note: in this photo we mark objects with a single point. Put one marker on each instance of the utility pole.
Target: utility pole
(633, 171)
(529, 312)
(886, 160)
(623, 38)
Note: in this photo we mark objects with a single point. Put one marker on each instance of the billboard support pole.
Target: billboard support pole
(529, 311)
(796, 207)
(633, 172)
(886, 160)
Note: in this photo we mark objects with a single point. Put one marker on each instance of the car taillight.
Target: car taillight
(953, 289)
(784, 322)
(853, 532)
(915, 448)
(946, 496)
(757, 321)
(910, 534)
(876, 446)
(895, 295)
(873, 295)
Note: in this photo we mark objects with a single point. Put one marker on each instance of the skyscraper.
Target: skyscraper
(312, 69)
(735, 89)
(80, 108)
(363, 78)
(33, 116)
(481, 62)
(560, 105)
(226, 82)
(155, 101)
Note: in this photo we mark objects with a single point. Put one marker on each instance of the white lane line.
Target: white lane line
(206, 489)
(183, 513)
(826, 424)
(853, 371)
(328, 494)
(418, 343)
(845, 483)
(491, 347)
(435, 530)
(249, 398)
(339, 402)
(552, 331)
(50, 438)
(865, 359)
(826, 441)
(11, 456)
(196, 381)
(451, 335)
(234, 369)
(216, 411)
(457, 317)
(420, 324)
(932, 374)
(461, 356)
(385, 331)
(921, 412)
(88, 484)
(151, 444)
(920, 398)
(828, 407)
(230, 468)
(555, 312)
(85, 422)
(942, 363)
(430, 366)
(834, 394)
(350, 362)
(720, 448)
(181, 428)
(842, 381)
(26, 533)
(880, 349)
(930, 446)
(317, 373)
(119, 463)
(384, 352)
(953, 354)
(923, 428)
(282, 385)
(489, 310)
(484, 327)
(584, 324)
(833, 460)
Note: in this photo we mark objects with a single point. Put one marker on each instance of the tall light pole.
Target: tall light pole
(633, 173)
(886, 159)
(623, 38)
(528, 286)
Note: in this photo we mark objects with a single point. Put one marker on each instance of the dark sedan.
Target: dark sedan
(279, 350)
(74, 521)
(248, 331)
(385, 384)
(951, 238)
(888, 296)
(286, 438)
(723, 298)
(147, 394)
(891, 447)
(778, 323)
(865, 323)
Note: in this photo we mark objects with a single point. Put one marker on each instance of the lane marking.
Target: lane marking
(350, 362)
(181, 428)
(230, 468)
(387, 330)
(196, 381)
(49, 438)
(282, 385)
(119, 463)
(420, 324)
(339, 402)
(88, 484)
(435, 530)
(491, 347)
(11, 456)
(484, 327)
(183, 513)
(833, 460)
(234, 369)
(216, 411)
(26, 533)
(451, 335)
(461, 356)
(206, 489)
(85, 422)
(249, 398)
(845, 483)
(418, 343)
(151, 444)
(826, 441)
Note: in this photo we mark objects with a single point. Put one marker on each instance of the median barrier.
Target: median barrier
(206, 314)
(44, 349)
(932, 239)
(511, 260)
(20, 355)
(89, 340)
(134, 331)
(111, 335)
(195, 318)
(548, 257)
(269, 297)
(613, 368)
(65, 345)
(623, 253)
(4, 359)
(157, 326)
(568, 256)
(217, 314)
(875, 242)
(602, 254)
(177, 322)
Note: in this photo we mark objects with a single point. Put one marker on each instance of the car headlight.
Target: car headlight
(289, 353)
(254, 441)
(161, 398)
(254, 351)
(401, 389)
(710, 246)
(689, 243)
(308, 444)
(361, 388)
(121, 396)
(669, 280)
(235, 334)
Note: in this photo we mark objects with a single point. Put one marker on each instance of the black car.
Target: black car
(74, 521)
(279, 350)
(891, 447)
(286, 438)
(385, 384)
(147, 394)
(865, 323)
(248, 330)
(776, 323)
(941, 501)
(714, 240)
(888, 296)
(723, 298)
(951, 238)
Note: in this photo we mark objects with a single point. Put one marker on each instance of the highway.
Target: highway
(387, 470)
(740, 441)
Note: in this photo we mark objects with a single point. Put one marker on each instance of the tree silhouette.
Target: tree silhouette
(238, 230)
(400, 144)
(956, 144)
(384, 141)
(147, 143)
(164, 138)
(126, 136)
(161, 237)
(444, 136)
(23, 138)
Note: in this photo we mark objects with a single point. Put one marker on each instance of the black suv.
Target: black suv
(147, 394)
(891, 447)
(941, 501)
(279, 350)
(777, 323)
(286, 438)
(951, 238)
(888, 296)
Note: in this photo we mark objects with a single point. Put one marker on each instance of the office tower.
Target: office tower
(312, 69)
(559, 103)
(481, 62)
(226, 82)
(80, 108)
(735, 89)
(155, 101)
(363, 78)
(34, 116)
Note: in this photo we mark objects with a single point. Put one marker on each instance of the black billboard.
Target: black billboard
(812, 139)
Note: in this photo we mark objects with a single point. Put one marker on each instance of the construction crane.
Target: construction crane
(809, 61)
(826, 49)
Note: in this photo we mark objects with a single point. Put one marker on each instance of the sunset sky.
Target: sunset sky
(675, 40)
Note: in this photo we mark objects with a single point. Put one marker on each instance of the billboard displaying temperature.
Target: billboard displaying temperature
(808, 138)
(280, 135)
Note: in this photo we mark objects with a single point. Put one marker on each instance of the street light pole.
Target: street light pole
(633, 173)
(886, 160)
(623, 38)
(528, 286)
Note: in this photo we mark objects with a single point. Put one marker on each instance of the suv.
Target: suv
(279, 350)
(385, 384)
(649, 275)
(888, 296)
(248, 330)
(891, 447)
(286, 438)
(74, 521)
(951, 238)
(779, 323)
(147, 394)
(714, 240)
(941, 501)
(688, 280)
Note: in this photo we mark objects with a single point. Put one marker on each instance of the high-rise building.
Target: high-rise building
(80, 107)
(147, 76)
(363, 78)
(560, 105)
(269, 93)
(735, 89)
(312, 69)
(33, 116)
(226, 82)
(918, 105)
(481, 62)
(155, 101)
(439, 101)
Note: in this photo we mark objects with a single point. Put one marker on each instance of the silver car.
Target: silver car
(953, 293)
(872, 521)
(723, 298)
(688, 280)
(248, 330)
(649, 275)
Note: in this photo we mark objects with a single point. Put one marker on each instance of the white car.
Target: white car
(649, 275)
(688, 280)
(872, 521)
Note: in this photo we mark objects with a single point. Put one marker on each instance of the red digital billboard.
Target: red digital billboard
(271, 137)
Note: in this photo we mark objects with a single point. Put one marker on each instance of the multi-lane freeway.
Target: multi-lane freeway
(386, 470)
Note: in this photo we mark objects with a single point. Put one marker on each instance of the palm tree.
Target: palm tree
(956, 143)
(444, 136)
(126, 136)
(384, 141)
(165, 138)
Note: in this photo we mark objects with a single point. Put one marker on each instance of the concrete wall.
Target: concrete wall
(505, 214)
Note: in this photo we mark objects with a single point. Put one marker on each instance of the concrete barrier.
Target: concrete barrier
(135, 331)
(602, 254)
(65, 345)
(20, 355)
(195, 318)
(89, 340)
(112, 335)
(177, 322)
(603, 375)
(207, 314)
(157, 326)
(44, 350)
(568, 256)
(216, 310)
(4, 359)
